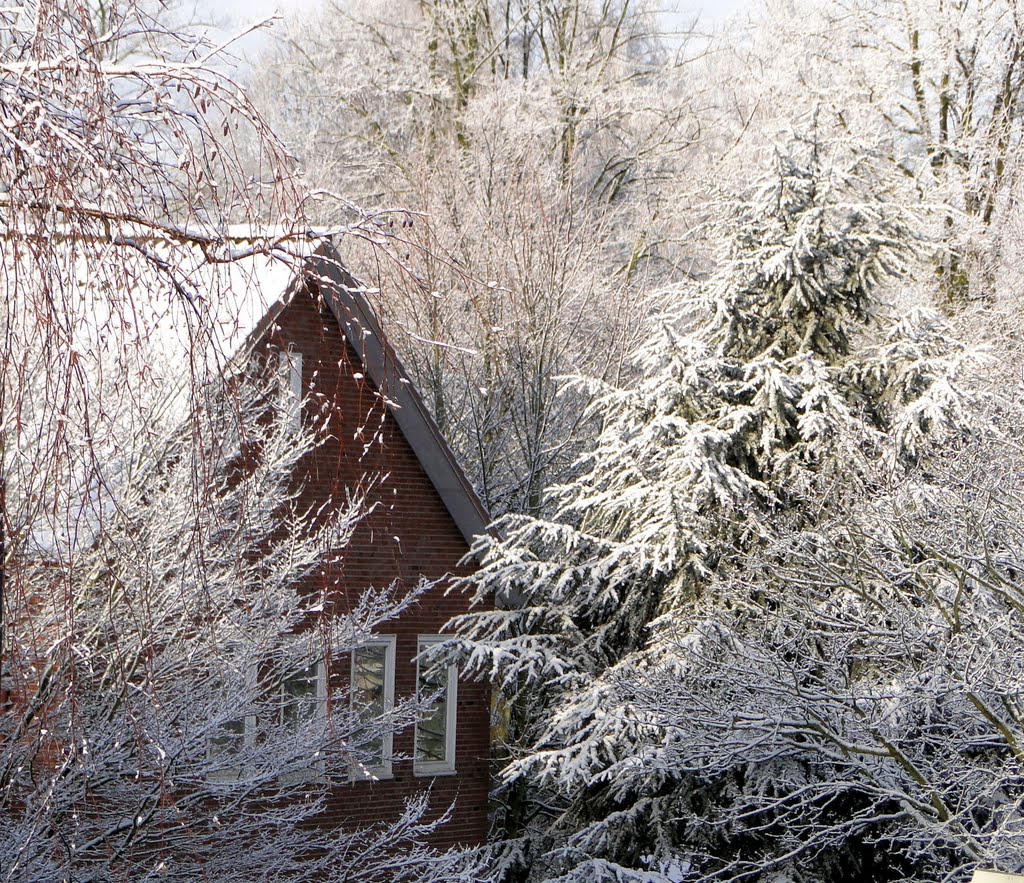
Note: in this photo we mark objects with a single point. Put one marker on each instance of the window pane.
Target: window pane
(432, 731)
(299, 699)
(290, 378)
(369, 695)
(432, 728)
(230, 739)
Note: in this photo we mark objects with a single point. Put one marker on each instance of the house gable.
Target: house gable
(379, 441)
(325, 278)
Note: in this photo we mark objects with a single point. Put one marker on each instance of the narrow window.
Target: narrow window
(302, 713)
(289, 367)
(373, 696)
(436, 687)
(226, 744)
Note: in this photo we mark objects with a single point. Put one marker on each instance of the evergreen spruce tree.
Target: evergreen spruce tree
(764, 399)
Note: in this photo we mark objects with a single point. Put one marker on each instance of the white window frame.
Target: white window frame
(446, 766)
(289, 372)
(385, 769)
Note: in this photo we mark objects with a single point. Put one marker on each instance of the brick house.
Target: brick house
(335, 358)
(143, 797)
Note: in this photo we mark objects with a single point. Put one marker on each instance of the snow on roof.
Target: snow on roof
(110, 342)
(227, 295)
(191, 316)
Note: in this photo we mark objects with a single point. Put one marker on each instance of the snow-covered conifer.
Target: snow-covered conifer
(778, 380)
(846, 702)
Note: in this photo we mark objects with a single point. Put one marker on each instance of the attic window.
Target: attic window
(289, 373)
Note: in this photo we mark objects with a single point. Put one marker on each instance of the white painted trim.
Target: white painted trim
(347, 300)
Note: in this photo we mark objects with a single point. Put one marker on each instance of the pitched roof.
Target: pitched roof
(232, 304)
(356, 320)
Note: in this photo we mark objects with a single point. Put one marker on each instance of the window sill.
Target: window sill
(432, 772)
(231, 776)
(312, 776)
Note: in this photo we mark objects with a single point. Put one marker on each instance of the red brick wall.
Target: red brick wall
(409, 535)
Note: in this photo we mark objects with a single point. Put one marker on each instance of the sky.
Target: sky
(250, 10)
(231, 15)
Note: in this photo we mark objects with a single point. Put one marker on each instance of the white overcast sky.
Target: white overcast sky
(239, 11)
(227, 17)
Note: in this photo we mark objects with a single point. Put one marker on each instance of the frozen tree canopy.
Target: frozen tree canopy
(164, 707)
(723, 318)
(728, 388)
